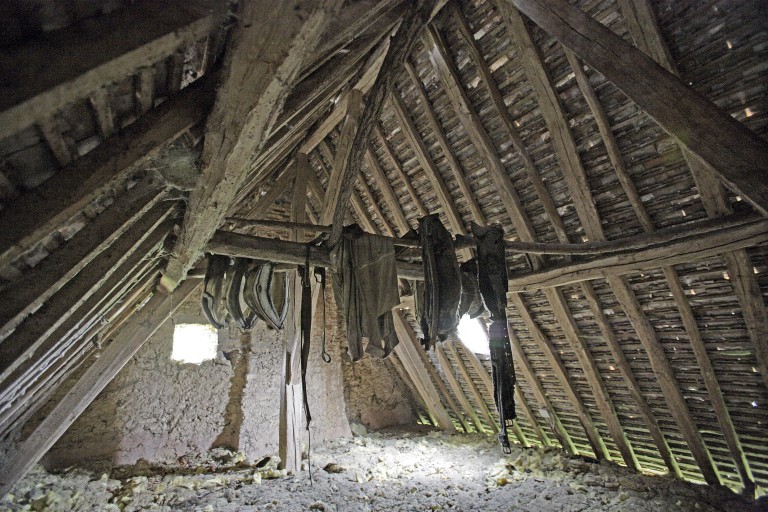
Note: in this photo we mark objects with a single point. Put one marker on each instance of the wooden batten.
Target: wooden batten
(470, 384)
(141, 327)
(395, 163)
(387, 191)
(457, 389)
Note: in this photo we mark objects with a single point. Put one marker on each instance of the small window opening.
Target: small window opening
(472, 334)
(194, 343)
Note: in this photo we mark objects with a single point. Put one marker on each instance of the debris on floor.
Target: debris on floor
(393, 471)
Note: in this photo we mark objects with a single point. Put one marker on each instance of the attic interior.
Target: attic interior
(156, 155)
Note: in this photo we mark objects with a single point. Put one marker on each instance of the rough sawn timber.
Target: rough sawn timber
(250, 98)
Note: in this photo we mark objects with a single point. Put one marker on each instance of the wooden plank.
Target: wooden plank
(672, 253)
(435, 377)
(175, 76)
(554, 116)
(486, 75)
(43, 280)
(665, 377)
(434, 126)
(550, 352)
(45, 75)
(131, 338)
(450, 377)
(529, 374)
(406, 352)
(283, 251)
(278, 188)
(102, 109)
(70, 190)
(388, 231)
(390, 155)
(400, 45)
(62, 150)
(387, 191)
(425, 161)
(269, 46)
(592, 373)
(629, 378)
(479, 399)
(446, 69)
(734, 151)
(370, 72)
(414, 395)
(144, 83)
(714, 392)
(521, 401)
(20, 344)
(341, 160)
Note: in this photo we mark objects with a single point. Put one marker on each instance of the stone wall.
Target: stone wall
(158, 410)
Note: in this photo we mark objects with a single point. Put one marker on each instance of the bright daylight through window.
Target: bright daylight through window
(472, 334)
(194, 343)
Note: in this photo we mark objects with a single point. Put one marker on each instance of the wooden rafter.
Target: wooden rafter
(75, 186)
(141, 327)
(446, 69)
(453, 164)
(72, 63)
(267, 32)
(453, 382)
(734, 151)
(377, 173)
(390, 156)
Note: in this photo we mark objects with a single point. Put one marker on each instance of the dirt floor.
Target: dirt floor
(393, 471)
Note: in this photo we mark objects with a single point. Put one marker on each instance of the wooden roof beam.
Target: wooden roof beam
(44, 76)
(529, 375)
(22, 225)
(31, 333)
(270, 44)
(736, 153)
(550, 352)
(406, 352)
(486, 75)
(696, 247)
(445, 147)
(446, 70)
(131, 338)
(400, 45)
(381, 180)
(453, 382)
(390, 155)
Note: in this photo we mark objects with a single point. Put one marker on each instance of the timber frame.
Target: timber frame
(621, 145)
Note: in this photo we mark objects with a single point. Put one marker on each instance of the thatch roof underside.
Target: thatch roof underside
(659, 364)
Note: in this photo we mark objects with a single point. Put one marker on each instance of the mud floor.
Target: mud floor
(392, 471)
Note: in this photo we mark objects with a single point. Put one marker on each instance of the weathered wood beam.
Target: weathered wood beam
(434, 125)
(282, 251)
(736, 153)
(369, 73)
(592, 373)
(388, 230)
(131, 338)
(406, 352)
(357, 203)
(278, 188)
(482, 406)
(341, 160)
(681, 250)
(144, 84)
(35, 214)
(377, 173)
(629, 378)
(28, 335)
(522, 402)
(400, 45)
(413, 395)
(39, 283)
(453, 382)
(43, 76)
(269, 46)
(425, 161)
(390, 155)
(462, 106)
(550, 352)
(530, 377)
(484, 72)
(665, 376)
(556, 120)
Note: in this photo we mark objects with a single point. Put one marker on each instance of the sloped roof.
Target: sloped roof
(661, 366)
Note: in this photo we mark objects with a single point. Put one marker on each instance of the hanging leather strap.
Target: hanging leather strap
(320, 277)
(306, 330)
